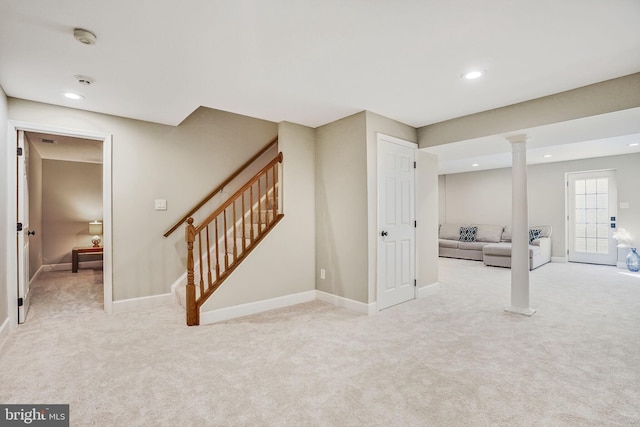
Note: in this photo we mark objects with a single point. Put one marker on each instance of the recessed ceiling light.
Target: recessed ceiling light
(546, 156)
(472, 75)
(73, 96)
(634, 144)
(475, 165)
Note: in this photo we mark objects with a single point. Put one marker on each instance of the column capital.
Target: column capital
(518, 138)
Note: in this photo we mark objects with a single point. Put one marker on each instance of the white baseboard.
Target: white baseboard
(227, 313)
(247, 309)
(182, 279)
(57, 267)
(67, 266)
(4, 332)
(428, 290)
(558, 259)
(346, 303)
(35, 276)
(143, 303)
(236, 311)
(523, 311)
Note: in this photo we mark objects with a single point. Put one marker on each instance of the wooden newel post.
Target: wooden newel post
(192, 312)
(278, 193)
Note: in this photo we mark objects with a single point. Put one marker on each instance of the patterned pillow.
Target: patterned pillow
(468, 234)
(534, 234)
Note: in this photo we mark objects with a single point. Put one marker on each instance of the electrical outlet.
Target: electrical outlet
(322, 274)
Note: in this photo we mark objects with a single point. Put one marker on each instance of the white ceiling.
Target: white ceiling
(66, 148)
(312, 62)
(596, 136)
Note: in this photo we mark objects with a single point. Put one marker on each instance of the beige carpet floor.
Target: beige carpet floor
(452, 359)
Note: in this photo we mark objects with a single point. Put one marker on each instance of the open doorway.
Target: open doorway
(65, 166)
(65, 210)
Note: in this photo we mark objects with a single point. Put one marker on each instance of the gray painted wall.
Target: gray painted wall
(428, 207)
(346, 205)
(284, 262)
(71, 198)
(442, 198)
(485, 196)
(378, 124)
(35, 210)
(482, 197)
(150, 161)
(341, 208)
(3, 209)
(330, 194)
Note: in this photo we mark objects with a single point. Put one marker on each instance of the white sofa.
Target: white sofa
(492, 244)
(451, 246)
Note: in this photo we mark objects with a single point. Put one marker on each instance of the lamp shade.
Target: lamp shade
(95, 228)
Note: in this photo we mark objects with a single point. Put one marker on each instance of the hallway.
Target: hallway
(63, 293)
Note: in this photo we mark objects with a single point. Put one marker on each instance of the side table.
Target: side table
(76, 252)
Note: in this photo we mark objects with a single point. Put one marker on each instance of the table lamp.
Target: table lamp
(95, 228)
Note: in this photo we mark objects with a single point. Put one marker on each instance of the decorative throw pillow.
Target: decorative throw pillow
(534, 234)
(468, 234)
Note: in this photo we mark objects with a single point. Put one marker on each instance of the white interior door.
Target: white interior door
(396, 222)
(23, 228)
(591, 221)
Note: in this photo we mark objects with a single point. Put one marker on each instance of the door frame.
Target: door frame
(23, 241)
(570, 214)
(11, 249)
(391, 139)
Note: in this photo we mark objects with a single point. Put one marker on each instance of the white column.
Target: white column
(520, 228)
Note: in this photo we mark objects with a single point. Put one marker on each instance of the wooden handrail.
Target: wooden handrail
(221, 186)
(207, 221)
(227, 247)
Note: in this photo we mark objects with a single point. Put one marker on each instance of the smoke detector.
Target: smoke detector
(84, 80)
(84, 36)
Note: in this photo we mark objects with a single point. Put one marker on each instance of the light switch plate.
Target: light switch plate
(161, 205)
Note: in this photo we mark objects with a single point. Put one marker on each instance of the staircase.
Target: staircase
(220, 242)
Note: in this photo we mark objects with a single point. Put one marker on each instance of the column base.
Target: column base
(523, 311)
